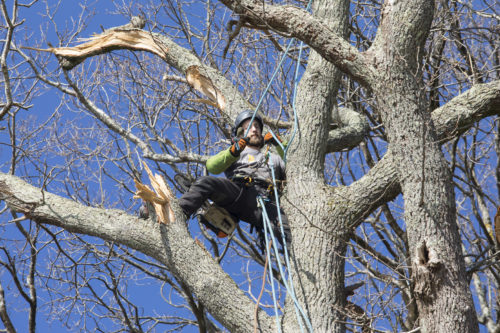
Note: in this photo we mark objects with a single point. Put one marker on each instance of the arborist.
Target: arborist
(248, 175)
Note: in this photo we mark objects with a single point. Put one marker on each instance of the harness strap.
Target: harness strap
(252, 181)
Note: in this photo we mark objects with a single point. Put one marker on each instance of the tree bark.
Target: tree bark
(440, 283)
(318, 235)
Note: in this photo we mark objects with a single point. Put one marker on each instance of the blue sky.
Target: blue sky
(147, 291)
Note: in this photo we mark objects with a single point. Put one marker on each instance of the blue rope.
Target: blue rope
(269, 84)
(267, 222)
(295, 121)
(285, 248)
(294, 108)
(268, 226)
(271, 278)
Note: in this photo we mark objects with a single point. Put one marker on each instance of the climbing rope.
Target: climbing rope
(294, 109)
(269, 84)
(271, 278)
(268, 230)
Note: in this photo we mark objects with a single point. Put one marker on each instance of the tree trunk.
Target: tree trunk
(439, 278)
(318, 235)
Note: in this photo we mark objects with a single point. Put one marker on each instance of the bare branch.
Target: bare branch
(380, 184)
(169, 244)
(353, 128)
(9, 327)
(295, 22)
(459, 114)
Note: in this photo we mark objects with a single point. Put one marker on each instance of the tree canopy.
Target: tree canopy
(391, 111)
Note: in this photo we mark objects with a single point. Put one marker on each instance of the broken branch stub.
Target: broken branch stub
(204, 84)
(133, 39)
(160, 198)
(136, 40)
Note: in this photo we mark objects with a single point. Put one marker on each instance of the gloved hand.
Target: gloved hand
(238, 146)
(268, 138)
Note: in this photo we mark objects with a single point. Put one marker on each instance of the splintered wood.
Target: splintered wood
(159, 198)
(133, 39)
(136, 40)
(204, 84)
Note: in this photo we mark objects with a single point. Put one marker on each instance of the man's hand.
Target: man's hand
(269, 138)
(238, 146)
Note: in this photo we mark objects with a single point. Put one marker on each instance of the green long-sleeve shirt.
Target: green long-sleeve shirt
(220, 161)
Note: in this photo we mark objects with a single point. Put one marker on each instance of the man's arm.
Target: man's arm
(221, 161)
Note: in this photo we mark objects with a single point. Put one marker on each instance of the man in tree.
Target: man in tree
(248, 177)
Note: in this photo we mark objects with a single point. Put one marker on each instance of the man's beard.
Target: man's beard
(256, 141)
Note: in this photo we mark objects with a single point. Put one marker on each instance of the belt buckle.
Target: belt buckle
(248, 181)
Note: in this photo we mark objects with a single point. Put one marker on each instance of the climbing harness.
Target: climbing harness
(265, 184)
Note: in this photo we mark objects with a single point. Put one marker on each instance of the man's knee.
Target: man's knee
(217, 189)
(204, 181)
(198, 192)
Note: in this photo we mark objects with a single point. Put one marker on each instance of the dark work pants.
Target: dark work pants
(238, 199)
